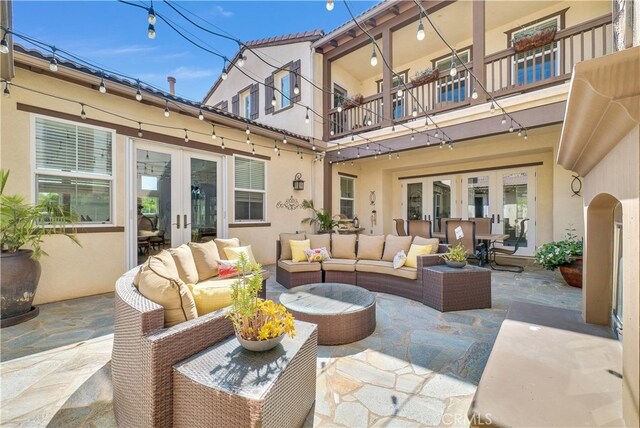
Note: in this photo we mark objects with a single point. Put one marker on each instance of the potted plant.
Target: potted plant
(325, 221)
(352, 101)
(425, 76)
(566, 255)
(456, 256)
(533, 38)
(23, 224)
(259, 324)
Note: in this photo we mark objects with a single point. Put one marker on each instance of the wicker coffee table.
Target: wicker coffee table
(456, 289)
(344, 313)
(228, 386)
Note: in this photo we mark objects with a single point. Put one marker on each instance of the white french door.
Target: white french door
(430, 198)
(177, 197)
(508, 197)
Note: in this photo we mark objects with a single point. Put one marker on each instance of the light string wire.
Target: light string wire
(139, 123)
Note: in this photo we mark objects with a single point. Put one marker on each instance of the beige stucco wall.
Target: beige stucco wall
(291, 119)
(618, 175)
(72, 271)
(382, 176)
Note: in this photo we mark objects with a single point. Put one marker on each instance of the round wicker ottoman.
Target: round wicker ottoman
(344, 313)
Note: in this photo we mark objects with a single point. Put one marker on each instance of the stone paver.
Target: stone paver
(419, 368)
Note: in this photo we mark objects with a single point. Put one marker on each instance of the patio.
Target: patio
(420, 367)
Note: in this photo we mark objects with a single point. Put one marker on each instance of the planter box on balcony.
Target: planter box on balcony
(426, 78)
(352, 102)
(535, 40)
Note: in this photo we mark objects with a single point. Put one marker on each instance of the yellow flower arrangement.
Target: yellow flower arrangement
(254, 318)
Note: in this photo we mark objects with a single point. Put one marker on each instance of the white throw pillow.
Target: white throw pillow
(399, 259)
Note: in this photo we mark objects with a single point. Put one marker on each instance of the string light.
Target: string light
(140, 131)
(224, 74)
(340, 109)
(152, 15)
(420, 34)
(338, 149)
(400, 92)
(414, 113)
(412, 137)
(253, 149)
(200, 114)
(474, 94)
(53, 63)
(186, 136)
(454, 69)
(511, 126)
(450, 146)
(151, 31)
(306, 118)
(6, 92)
(166, 108)
(275, 146)
(504, 119)
(374, 56)
(332, 132)
(330, 5)
(241, 59)
(520, 132)
(313, 146)
(296, 89)
(525, 135)
(213, 132)
(83, 115)
(284, 139)
(369, 121)
(138, 92)
(273, 100)
(358, 153)
(248, 139)
(102, 88)
(4, 46)
(247, 130)
(492, 108)
(222, 144)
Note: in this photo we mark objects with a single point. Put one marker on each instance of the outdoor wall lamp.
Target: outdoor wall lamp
(298, 182)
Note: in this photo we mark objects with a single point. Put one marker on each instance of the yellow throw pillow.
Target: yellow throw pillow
(285, 248)
(211, 297)
(187, 270)
(224, 243)
(233, 253)
(434, 242)
(414, 252)
(205, 256)
(297, 250)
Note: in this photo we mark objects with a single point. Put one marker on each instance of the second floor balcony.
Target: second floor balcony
(502, 49)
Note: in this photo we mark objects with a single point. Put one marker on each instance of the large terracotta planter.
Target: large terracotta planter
(18, 283)
(572, 273)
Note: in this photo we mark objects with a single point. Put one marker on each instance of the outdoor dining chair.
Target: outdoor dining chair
(420, 228)
(468, 239)
(483, 225)
(493, 251)
(400, 230)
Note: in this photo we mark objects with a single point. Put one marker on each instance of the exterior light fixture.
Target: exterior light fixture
(151, 32)
(298, 182)
(420, 33)
(330, 5)
(374, 57)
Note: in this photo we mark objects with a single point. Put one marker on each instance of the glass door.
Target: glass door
(414, 201)
(176, 193)
(442, 197)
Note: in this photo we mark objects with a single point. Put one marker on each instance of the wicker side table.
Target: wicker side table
(228, 386)
(450, 289)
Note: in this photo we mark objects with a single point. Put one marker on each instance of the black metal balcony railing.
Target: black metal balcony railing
(506, 72)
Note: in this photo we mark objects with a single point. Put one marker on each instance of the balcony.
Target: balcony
(503, 71)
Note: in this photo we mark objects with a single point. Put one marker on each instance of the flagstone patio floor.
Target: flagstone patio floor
(419, 368)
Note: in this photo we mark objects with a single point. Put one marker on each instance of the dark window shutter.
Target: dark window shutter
(225, 105)
(255, 101)
(235, 104)
(295, 79)
(268, 95)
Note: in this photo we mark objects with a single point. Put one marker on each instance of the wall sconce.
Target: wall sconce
(298, 182)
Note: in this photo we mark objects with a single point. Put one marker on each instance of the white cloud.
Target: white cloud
(219, 10)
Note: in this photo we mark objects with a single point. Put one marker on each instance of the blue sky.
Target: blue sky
(114, 35)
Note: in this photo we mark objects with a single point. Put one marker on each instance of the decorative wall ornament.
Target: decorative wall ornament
(576, 185)
(291, 204)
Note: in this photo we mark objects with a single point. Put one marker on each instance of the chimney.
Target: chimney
(172, 85)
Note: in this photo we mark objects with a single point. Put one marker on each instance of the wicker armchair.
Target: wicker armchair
(144, 353)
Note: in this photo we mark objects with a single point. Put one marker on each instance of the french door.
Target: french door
(178, 198)
(508, 197)
(430, 198)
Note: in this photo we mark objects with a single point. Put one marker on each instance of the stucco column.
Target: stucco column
(478, 50)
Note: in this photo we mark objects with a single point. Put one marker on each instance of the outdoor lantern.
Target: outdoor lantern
(298, 182)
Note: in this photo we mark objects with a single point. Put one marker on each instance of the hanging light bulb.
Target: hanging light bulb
(248, 139)
(241, 60)
(53, 64)
(525, 135)
(511, 126)
(352, 139)
(273, 100)
(330, 5)
(6, 92)
(306, 118)
(332, 132)
(474, 94)
(366, 147)
(374, 57)
(414, 113)
(224, 74)
(504, 119)
(393, 128)
(369, 121)
(275, 146)
(436, 134)
(358, 153)
(397, 155)
(284, 140)
(296, 89)
(339, 108)
(140, 130)
(450, 146)
(492, 108)
(338, 149)
(186, 136)
(454, 69)
(222, 144)
(253, 149)
(138, 93)
(83, 115)
(152, 16)
(102, 88)
(213, 132)
(4, 46)
(200, 114)
(420, 34)
(520, 132)
(166, 109)
(313, 146)
(428, 140)
(412, 137)
(247, 130)
(400, 92)
(151, 32)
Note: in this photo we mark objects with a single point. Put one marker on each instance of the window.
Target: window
(339, 95)
(250, 178)
(285, 89)
(246, 103)
(347, 195)
(74, 167)
(452, 89)
(540, 63)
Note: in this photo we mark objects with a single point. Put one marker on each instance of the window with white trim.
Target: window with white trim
(245, 100)
(74, 165)
(249, 190)
(284, 79)
(347, 196)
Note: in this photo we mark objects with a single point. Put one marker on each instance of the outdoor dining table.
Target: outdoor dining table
(486, 238)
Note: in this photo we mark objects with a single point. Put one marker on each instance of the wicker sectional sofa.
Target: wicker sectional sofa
(355, 266)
